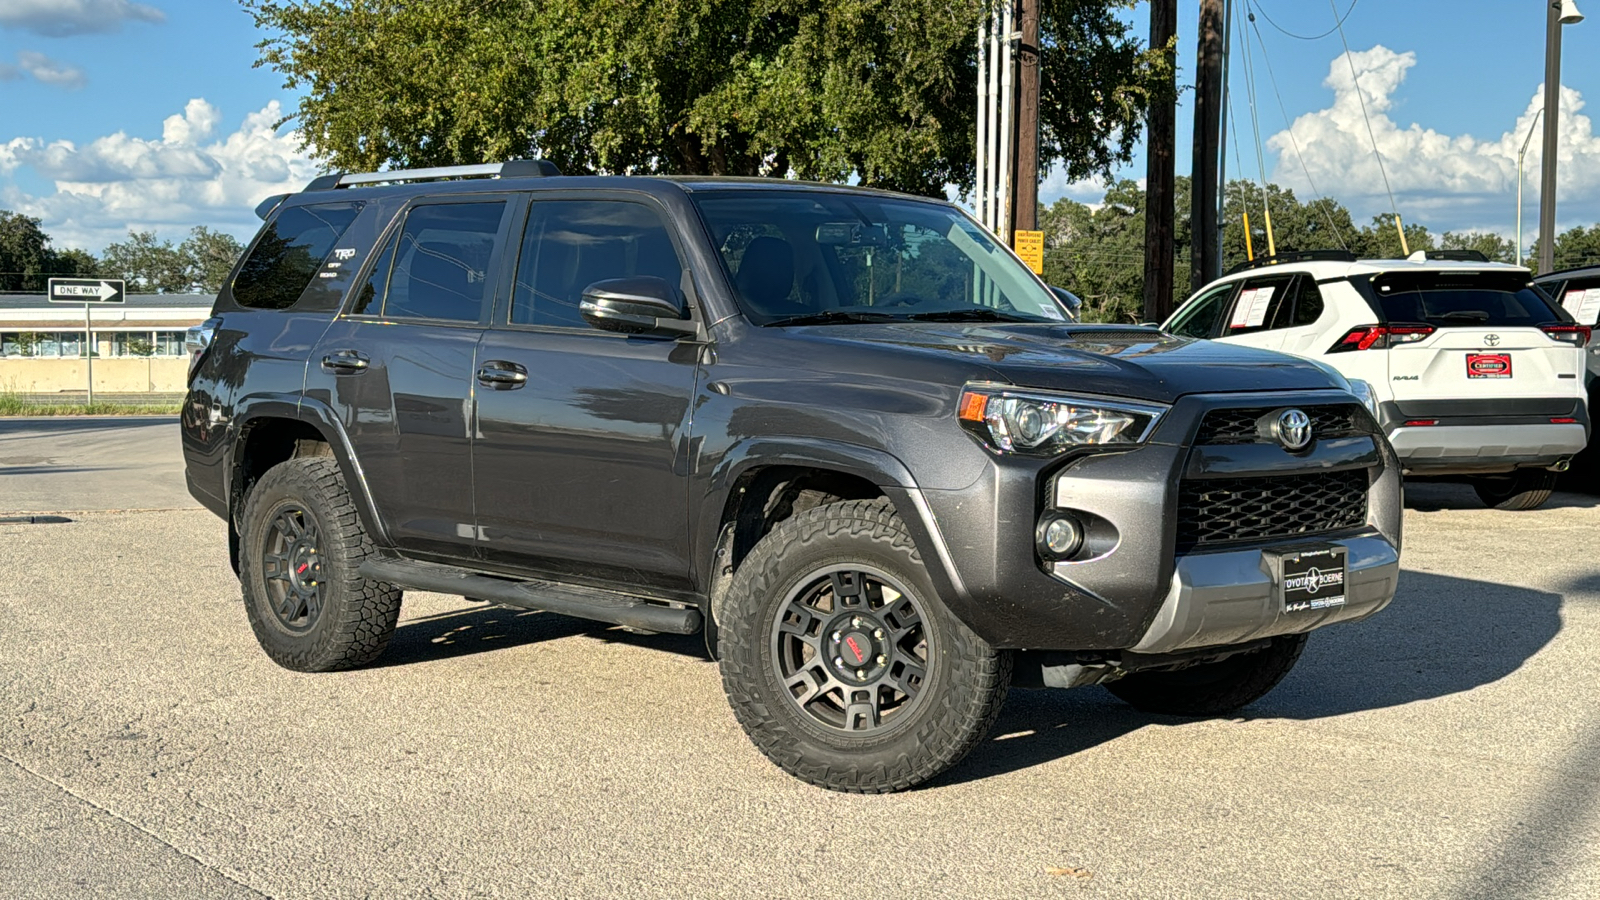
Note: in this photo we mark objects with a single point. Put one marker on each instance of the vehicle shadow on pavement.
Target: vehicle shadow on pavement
(480, 628)
(1441, 636)
(1437, 496)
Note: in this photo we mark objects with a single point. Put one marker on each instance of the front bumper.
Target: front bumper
(1138, 588)
(1230, 597)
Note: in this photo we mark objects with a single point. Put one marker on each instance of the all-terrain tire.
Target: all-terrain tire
(960, 698)
(356, 616)
(1212, 689)
(1523, 490)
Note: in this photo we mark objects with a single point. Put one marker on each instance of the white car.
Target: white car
(1472, 371)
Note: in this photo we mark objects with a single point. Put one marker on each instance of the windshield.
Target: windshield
(1446, 300)
(818, 258)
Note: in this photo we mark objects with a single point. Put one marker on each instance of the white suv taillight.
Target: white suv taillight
(197, 339)
(1576, 335)
(1380, 337)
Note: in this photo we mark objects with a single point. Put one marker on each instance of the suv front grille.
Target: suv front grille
(1238, 426)
(1236, 510)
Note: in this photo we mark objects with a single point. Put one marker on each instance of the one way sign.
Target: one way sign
(87, 290)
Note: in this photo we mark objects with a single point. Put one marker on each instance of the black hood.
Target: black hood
(1136, 363)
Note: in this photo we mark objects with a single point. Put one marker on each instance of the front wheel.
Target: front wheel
(840, 661)
(1212, 689)
(1523, 490)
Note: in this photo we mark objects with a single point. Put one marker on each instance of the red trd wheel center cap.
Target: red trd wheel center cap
(855, 648)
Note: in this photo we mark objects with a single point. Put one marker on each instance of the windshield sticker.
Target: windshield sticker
(1583, 305)
(1251, 310)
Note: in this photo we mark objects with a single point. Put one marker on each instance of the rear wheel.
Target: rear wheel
(301, 546)
(840, 661)
(1212, 689)
(1525, 489)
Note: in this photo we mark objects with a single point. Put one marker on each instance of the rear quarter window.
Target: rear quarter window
(289, 252)
(1475, 299)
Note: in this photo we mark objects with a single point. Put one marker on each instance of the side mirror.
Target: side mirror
(643, 304)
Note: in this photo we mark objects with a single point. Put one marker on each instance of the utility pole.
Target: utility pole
(1160, 187)
(1557, 13)
(1025, 187)
(1206, 263)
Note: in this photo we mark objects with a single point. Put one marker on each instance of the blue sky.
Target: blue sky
(118, 114)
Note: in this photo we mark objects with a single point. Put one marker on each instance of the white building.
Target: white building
(138, 343)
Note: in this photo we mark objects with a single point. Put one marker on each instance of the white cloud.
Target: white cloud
(63, 18)
(50, 71)
(1447, 182)
(186, 178)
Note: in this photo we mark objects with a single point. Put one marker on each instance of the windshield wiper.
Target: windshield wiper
(1465, 315)
(974, 314)
(835, 317)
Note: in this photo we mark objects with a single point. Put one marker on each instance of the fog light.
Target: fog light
(1059, 537)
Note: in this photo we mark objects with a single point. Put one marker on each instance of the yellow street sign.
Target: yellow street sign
(1030, 246)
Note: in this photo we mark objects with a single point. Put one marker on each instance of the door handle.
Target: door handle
(502, 376)
(344, 362)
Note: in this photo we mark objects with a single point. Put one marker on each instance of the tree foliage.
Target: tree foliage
(27, 260)
(883, 92)
(150, 266)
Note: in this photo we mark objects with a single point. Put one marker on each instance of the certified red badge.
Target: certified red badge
(1488, 365)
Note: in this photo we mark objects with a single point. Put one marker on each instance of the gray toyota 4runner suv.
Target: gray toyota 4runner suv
(843, 432)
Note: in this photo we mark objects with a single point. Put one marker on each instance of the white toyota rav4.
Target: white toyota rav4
(1473, 371)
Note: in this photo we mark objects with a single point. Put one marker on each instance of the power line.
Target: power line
(1314, 37)
(1355, 81)
(1255, 127)
(1289, 126)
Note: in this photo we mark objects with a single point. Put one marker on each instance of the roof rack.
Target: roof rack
(1456, 255)
(516, 168)
(1294, 256)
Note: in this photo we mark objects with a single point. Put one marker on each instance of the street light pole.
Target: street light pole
(1557, 14)
(1522, 153)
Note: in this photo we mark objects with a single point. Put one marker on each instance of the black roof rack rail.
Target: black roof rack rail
(516, 168)
(1293, 256)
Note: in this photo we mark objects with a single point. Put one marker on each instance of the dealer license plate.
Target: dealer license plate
(1488, 365)
(1313, 578)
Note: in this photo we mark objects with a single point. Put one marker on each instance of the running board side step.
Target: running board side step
(548, 596)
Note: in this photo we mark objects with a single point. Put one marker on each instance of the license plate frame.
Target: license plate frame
(1488, 365)
(1310, 578)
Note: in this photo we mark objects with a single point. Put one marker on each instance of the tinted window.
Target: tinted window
(1444, 300)
(570, 244)
(440, 262)
(1261, 305)
(835, 257)
(289, 253)
(1308, 304)
(368, 295)
(1200, 319)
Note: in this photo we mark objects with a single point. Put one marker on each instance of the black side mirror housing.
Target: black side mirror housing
(643, 304)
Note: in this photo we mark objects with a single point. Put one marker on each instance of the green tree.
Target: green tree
(149, 265)
(27, 259)
(1493, 246)
(1574, 248)
(208, 257)
(1098, 253)
(1380, 240)
(879, 91)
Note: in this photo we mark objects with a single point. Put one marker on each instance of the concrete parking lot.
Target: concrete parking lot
(1448, 748)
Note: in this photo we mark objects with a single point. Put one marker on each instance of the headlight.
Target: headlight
(1365, 394)
(1039, 424)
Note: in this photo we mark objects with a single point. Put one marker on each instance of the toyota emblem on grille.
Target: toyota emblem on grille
(1294, 429)
(1491, 340)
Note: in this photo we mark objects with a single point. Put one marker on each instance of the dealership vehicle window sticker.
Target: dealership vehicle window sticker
(1584, 305)
(1251, 310)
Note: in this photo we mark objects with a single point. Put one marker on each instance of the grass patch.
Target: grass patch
(16, 405)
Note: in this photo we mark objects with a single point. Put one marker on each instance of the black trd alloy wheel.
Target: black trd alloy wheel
(842, 664)
(301, 546)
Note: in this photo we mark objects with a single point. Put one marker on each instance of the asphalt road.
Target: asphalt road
(1448, 748)
(50, 464)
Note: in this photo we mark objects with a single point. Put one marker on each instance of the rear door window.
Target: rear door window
(436, 266)
(1469, 300)
(1262, 304)
(289, 252)
(1580, 297)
